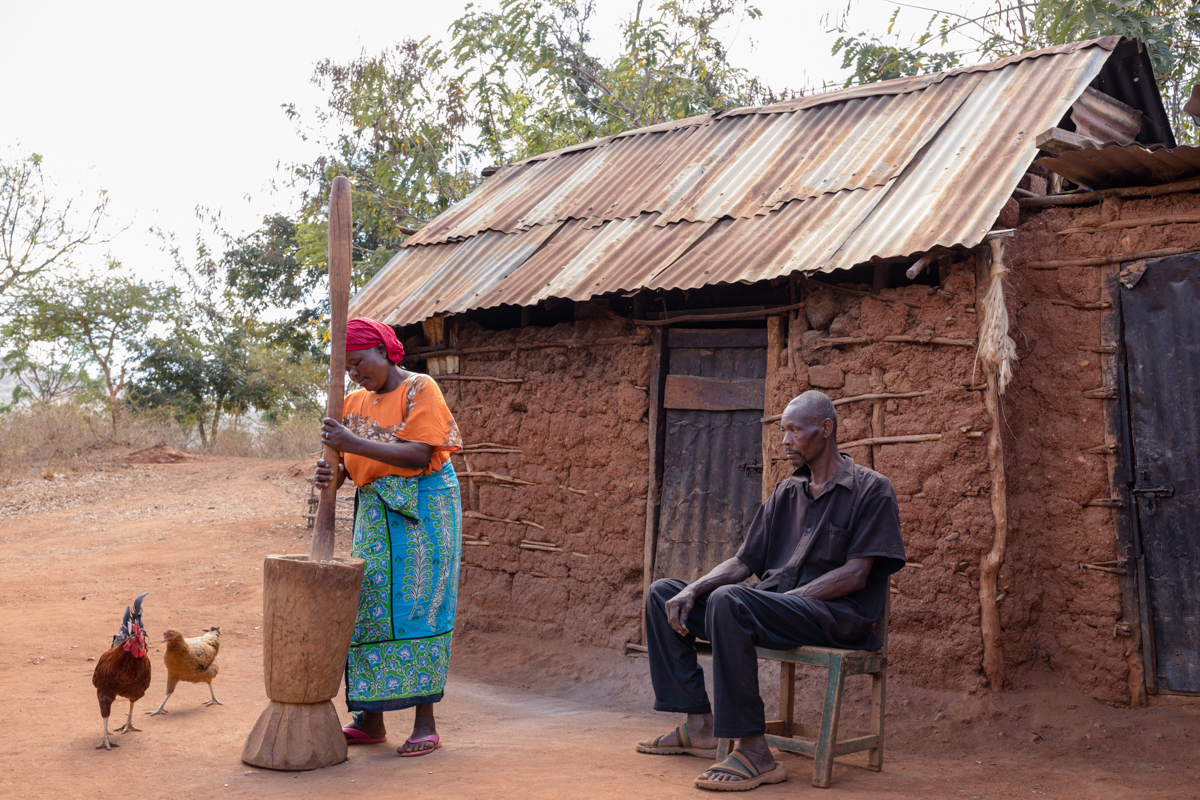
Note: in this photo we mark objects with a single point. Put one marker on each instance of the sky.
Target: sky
(170, 107)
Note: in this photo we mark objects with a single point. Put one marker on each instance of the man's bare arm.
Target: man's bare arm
(679, 606)
(846, 579)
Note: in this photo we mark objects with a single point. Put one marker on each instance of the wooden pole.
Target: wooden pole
(659, 367)
(340, 230)
(991, 561)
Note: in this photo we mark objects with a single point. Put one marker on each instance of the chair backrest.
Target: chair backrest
(881, 624)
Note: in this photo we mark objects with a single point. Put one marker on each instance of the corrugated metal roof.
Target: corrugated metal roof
(814, 184)
(1131, 165)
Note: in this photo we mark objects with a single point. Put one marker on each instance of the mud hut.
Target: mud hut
(618, 324)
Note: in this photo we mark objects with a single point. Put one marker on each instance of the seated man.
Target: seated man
(823, 545)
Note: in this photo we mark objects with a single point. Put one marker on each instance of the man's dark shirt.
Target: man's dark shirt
(794, 539)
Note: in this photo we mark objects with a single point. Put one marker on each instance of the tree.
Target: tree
(96, 320)
(43, 372)
(36, 231)
(266, 270)
(1171, 32)
(217, 359)
(531, 71)
(412, 125)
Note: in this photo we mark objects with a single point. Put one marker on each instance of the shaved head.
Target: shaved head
(814, 407)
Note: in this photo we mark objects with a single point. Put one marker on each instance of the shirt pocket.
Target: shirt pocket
(829, 551)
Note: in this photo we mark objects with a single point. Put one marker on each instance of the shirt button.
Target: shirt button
(809, 530)
(785, 574)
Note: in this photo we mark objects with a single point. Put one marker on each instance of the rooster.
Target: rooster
(124, 671)
(192, 660)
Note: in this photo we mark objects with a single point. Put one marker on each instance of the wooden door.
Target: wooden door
(1161, 313)
(712, 465)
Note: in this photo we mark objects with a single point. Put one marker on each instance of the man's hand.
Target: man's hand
(336, 435)
(678, 608)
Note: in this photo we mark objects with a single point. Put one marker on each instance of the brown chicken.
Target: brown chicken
(124, 671)
(192, 660)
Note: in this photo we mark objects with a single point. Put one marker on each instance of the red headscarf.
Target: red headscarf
(364, 333)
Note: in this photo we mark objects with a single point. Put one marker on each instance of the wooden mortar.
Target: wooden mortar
(310, 602)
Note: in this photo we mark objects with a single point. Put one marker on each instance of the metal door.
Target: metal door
(712, 470)
(1161, 315)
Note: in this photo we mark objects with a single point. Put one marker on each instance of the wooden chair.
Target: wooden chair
(822, 742)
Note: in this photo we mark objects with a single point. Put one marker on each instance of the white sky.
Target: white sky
(170, 106)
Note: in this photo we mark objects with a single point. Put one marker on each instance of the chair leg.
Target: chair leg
(787, 695)
(723, 748)
(827, 738)
(878, 707)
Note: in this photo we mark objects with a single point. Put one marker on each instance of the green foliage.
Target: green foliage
(64, 325)
(531, 72)
(873, 60)
(217, 359)
(1170, 31)
(411, 126)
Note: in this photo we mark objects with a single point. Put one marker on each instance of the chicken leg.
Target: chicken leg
(214, 700)
(161, 709)
(105, 743)
(128, 726)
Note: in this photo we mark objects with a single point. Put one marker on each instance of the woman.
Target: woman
(395, 444)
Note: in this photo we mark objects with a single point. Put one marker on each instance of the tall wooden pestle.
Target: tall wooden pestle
(340, 231)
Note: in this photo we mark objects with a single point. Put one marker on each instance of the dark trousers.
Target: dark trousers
(735, 619)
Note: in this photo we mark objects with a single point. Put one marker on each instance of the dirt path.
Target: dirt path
(521, 719)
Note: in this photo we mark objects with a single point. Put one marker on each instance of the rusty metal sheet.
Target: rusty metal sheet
(801, 235)
(422, 281)
(952, 192)
(1132, 165)
(811, 185)
(582, 262)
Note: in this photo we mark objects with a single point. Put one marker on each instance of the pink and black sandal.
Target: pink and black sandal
(356, 736)
(433, 737)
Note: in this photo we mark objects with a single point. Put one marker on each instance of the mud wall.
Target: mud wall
(579, 420)
(941, 483)
(1074, 621)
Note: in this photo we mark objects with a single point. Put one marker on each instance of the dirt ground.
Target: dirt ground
(521, 718)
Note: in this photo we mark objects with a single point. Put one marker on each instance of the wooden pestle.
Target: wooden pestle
(340, 231)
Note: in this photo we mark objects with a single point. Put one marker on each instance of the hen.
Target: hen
(123, 671)
(192, 660)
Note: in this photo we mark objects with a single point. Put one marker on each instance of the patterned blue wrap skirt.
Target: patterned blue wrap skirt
(409, 531)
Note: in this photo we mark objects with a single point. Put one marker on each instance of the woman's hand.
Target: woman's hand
(336, 435)
(326, 474)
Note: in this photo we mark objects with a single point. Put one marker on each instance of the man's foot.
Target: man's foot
(366, 728)
(682, 741)
(740, 773)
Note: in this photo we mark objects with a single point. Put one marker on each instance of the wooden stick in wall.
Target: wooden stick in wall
(858, 397)
(876, 415)
(775, 341)
(989, 563)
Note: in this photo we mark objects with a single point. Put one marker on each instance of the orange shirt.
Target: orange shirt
(415, 412)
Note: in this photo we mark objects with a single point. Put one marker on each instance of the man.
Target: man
(823, 546)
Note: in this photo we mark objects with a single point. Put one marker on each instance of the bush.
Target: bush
(47, 438)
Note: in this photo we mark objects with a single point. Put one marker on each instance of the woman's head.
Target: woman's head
(371, 350)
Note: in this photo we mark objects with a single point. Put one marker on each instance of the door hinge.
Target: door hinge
(1151, 495)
